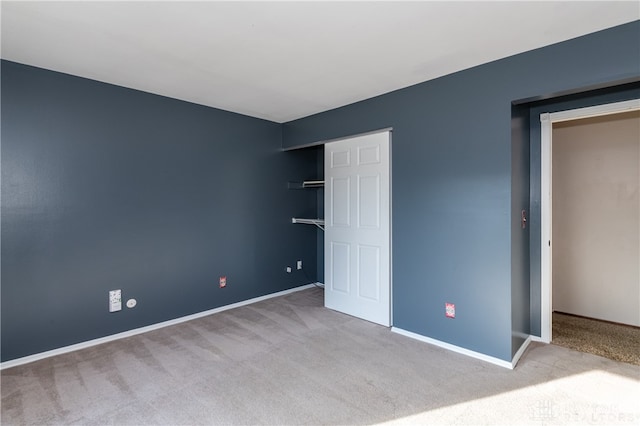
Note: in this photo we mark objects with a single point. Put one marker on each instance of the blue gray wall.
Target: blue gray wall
(520, 290)
(452, 175)
(109, 188)
(320, 213)
(105, 187)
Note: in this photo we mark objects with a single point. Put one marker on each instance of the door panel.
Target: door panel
(340, 199)
(368, 155)
(340, 159)
(369, 272)
(357, 232)
(339, 261)
(368, 202)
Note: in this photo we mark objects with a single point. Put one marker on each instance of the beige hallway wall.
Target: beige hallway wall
(596, 217)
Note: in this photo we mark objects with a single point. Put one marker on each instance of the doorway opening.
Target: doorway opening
(547, 126)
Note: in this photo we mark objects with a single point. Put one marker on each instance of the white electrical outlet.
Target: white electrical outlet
(299, 265)
(115, 300)
(288, 269)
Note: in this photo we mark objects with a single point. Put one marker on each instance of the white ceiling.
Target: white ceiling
(285, 60)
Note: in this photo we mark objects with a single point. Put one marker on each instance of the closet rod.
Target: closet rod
(317, 222)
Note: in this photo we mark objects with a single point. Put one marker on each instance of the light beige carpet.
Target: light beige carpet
(290, 361)
(614, 341)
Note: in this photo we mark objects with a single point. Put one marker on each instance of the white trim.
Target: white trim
(546, 129)
(390, 227)
(357, 135)
(141, 330)
(458, 349)
(326, 141)
(520, 352)
(595, 111)
(546, 146)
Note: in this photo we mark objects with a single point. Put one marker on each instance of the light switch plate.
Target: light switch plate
(115, 300)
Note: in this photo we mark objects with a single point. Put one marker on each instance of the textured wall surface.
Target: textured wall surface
(109, 188)
(596, 217)
(105, 187)
(452, 176)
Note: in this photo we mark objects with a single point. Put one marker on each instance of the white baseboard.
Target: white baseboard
(537, 339)
(129, 333)
(463, 351)
(518, 354)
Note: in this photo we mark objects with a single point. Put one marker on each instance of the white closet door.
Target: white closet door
(357, 222)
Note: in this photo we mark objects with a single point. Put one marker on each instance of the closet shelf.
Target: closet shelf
(317, 222)
(313, 184)
(306, 184)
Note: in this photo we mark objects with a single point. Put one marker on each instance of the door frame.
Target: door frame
(390, 171)
(546, 184)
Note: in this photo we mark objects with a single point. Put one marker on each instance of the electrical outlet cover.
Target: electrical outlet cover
(449, 310)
